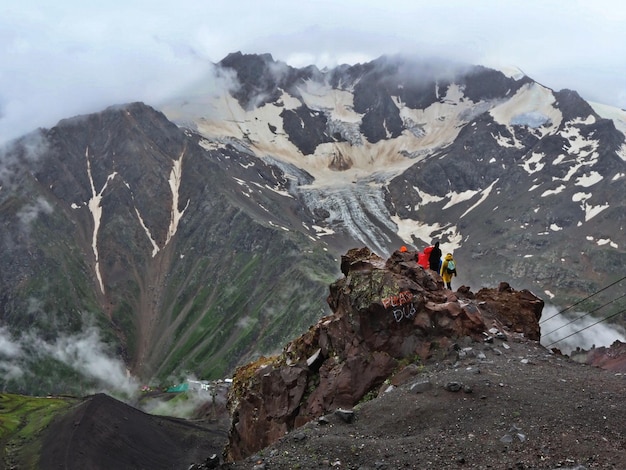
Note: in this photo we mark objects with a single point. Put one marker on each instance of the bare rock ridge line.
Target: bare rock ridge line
(386, 315)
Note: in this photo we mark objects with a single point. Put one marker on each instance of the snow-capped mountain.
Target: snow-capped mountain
(206, 233)
(519, 181)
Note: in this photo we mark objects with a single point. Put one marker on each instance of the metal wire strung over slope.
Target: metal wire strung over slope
(583, 316)
(594, 310)
(582, 300)
(586, 327)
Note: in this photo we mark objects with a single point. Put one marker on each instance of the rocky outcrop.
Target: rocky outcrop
(387, 315)
(612, 358)
(519, 311)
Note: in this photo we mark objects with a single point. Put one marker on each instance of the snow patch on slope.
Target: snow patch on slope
(589, 210)
(96, 213)
(439, 124)
(531, 106)
(339, 104)
(174, 181)
(425, 198)
(457, 198)
(534, 163)
(485, 194)
(409, 230)
(617, 115)
(580, 152)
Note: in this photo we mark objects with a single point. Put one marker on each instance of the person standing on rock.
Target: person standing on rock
(434, 258)
(448, 270)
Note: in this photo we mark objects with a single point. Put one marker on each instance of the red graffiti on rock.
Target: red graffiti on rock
(402, 298)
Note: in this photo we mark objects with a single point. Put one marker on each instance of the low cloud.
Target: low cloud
(30, 212)
(66, 58)
(570, 330)
(29, 148)
(84, 352)
(8, 348)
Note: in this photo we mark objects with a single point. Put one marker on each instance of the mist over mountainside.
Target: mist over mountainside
(199, 236)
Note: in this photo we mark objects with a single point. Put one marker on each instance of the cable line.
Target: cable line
(583, 316)
(588, 326)
(582, 300)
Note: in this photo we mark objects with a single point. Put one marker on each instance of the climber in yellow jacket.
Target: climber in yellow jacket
(448, 270)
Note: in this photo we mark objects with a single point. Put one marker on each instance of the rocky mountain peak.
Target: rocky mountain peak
(261, 79)
(386, 315)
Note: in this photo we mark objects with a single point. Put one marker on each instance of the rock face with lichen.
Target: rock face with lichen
(386, 315)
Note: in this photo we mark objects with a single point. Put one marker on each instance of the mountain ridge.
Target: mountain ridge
(474, 134)
(133, 279)
(204, 234)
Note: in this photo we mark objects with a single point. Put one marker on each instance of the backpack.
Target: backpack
(451, 267)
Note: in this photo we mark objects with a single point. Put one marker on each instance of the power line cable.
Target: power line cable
(588, 326)
(582, 300)
(583, 316)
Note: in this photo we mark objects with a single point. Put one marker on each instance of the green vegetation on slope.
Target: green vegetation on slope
(253, 290)
(22, 419)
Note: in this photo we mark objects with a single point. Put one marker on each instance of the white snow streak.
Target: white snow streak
(425, 198)
(155, 247)
(589, 179)
(275, 189)
(485, 194)
(321, 231)
(606, 241)
(457, 198)
(176, 214)
(96, 212)
(590, 211)
(551, 192)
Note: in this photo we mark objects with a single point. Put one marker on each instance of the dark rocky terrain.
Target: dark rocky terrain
(518, 406)
(510, 404)
(459, 380)
(481, 393)
(104, 433)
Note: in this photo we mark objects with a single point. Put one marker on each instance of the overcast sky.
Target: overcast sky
(59, 59)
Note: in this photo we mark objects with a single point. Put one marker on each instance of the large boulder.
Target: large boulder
(386, 315)
(520, 311)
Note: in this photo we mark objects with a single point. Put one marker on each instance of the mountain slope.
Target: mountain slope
(199, 237)
(128, 222)
(497, 407)
(520, 181)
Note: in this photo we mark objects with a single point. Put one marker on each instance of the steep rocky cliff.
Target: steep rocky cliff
(386, 316)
